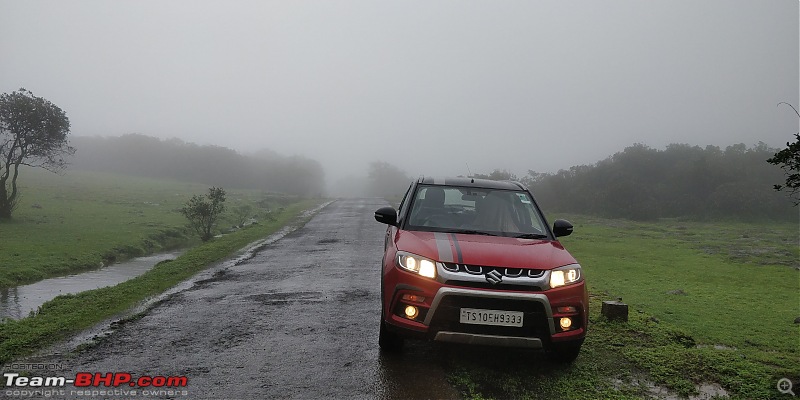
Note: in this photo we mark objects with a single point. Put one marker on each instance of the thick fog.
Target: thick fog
(430, 87)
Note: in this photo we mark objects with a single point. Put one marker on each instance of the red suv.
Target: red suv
(474, 261)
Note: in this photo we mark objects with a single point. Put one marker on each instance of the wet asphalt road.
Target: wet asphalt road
(298, 320)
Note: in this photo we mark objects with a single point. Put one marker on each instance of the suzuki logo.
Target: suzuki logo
(494, 277)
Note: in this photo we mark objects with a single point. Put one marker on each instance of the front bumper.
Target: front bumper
(439, 313)
(488, 340)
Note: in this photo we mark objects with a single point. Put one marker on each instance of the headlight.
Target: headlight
(417, 264)
(565, 275)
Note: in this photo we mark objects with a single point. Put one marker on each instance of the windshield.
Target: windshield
(476, 211)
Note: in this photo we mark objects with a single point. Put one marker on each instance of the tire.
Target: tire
(564, 353)
(389, 341)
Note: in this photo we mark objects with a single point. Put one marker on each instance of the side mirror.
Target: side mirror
(561, 228)
(386, 215)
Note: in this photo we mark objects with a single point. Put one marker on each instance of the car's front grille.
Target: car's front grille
(482, 270)
(487, 285)
(448, 312)
(496, 278)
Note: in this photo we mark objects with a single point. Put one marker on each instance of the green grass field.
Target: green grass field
(710, 303)
(79, 220)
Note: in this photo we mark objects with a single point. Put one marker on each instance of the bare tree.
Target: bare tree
(33, 132)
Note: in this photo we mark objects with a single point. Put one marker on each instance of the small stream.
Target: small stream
(18, 302)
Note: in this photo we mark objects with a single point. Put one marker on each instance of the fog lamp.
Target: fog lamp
(411, 312)
(565, 323)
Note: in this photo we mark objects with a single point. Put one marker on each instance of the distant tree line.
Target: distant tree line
(141, 155)
(386, 180)
(644, 183)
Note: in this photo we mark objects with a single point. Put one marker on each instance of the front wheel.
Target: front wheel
(564, 353)
(389, 341)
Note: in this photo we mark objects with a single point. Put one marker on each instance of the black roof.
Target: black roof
(470, 182)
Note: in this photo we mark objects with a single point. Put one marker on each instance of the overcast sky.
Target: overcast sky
(429, 86)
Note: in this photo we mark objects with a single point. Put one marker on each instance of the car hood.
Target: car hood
(485, 250)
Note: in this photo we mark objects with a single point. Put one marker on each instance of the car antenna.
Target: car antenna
(472, 180)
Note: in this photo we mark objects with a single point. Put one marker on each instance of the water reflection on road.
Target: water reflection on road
(417, 372)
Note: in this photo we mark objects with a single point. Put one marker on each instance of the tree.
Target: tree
(681, 180)
(140, 155)
(203, 213)
(33, 132)
(385, 179)
(497, 175)
(789, 161)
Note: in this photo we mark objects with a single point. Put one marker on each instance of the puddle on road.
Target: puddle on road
(283, 298)
(18, 302)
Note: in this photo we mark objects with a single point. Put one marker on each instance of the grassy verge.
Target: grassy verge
(81, 220)
(711, 304)
(66, 315)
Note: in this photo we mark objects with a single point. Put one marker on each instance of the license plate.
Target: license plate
(477, 316)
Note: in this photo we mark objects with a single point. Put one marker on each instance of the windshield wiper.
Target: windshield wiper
(531, 236)
(471, 232)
